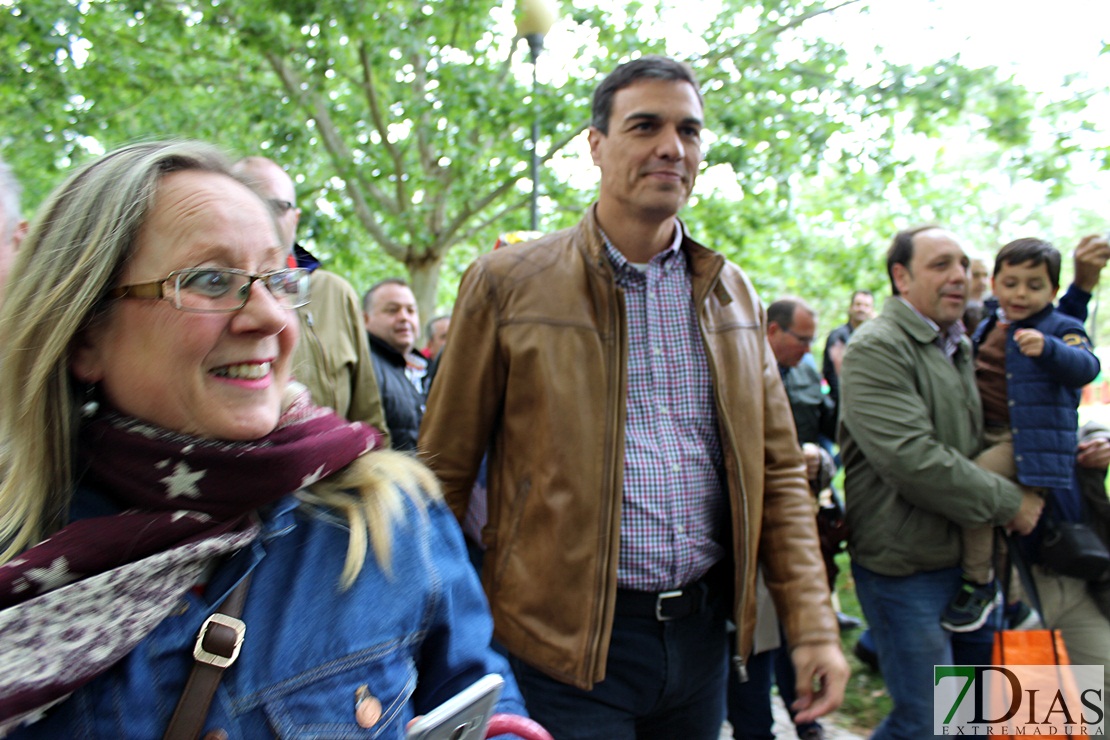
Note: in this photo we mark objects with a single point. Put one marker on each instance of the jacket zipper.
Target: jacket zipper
(616, 319)
(741, 508)
(316, 355)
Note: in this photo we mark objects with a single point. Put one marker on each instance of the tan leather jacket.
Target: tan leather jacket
(536, 372)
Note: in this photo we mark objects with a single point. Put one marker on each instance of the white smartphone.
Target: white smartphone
(462, 717)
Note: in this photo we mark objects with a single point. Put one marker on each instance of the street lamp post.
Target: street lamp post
(536, 19)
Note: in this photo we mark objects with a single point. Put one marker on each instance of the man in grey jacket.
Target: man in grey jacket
(911, 422)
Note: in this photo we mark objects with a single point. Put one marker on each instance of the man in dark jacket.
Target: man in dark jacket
(791, 328)
(393, 326)
(861, 309)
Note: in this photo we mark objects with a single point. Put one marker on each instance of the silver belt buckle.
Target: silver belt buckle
(659, 604)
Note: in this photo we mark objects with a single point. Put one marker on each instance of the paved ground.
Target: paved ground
(784, 729)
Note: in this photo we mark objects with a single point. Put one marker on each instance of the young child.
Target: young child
(1031, 363)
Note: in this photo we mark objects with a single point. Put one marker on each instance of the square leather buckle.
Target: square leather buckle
(219, 621)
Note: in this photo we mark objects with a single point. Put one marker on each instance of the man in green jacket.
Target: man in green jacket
(911, 421)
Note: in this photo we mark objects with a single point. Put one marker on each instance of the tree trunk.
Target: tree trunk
(424, 278)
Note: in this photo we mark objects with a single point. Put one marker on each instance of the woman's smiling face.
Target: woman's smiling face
(214, 375)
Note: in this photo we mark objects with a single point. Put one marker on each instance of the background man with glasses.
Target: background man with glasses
(791, 327)
(332, 357)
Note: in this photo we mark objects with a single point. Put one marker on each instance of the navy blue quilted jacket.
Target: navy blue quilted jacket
(1044, 395)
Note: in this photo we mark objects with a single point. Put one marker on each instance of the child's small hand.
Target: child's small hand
(1030, 342)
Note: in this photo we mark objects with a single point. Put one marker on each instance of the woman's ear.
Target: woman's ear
(84, 357)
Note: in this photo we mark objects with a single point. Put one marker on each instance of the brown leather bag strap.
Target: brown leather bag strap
(216, 648)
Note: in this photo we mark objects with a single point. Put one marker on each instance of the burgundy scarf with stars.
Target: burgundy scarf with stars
(77, 602)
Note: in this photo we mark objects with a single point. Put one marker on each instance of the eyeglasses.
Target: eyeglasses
(220, 290)
(279, 206)
(807, 341)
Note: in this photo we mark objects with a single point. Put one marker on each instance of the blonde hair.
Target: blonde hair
(76, 249)
(368, 493)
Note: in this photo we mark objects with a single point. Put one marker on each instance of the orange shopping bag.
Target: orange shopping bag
(1029, 647)
(1045, 673)
(1034, 663)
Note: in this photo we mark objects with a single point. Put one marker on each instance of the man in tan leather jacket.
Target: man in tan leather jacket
(642, 452)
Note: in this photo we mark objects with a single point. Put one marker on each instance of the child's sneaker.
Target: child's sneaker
(968, 610)
(1019, 616)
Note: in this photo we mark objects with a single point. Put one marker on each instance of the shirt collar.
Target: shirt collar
(947, 339)
(620, 263)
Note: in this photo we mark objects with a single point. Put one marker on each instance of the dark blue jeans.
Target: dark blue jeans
(903, 613)
(664, 680)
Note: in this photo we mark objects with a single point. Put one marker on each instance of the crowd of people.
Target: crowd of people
(204, 434)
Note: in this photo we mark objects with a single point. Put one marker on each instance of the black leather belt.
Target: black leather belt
(664, 605)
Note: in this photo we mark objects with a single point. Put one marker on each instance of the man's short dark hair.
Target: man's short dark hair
(783, 310)
(1030, 249)
(429, 328)
(901, 251)
(651, 67)
(368, 297)
(855, 293)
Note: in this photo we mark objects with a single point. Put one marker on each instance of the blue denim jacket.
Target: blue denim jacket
(413, 637)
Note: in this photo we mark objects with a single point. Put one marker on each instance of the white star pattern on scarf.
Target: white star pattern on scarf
(55, 575)
(199, 516)
(183, 482)
(313, 477)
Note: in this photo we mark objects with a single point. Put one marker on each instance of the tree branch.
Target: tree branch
(476, 206)
(380, 125)
(775, 30)
(487, 222)
(342, 158)
(562, 143)
(795, 22)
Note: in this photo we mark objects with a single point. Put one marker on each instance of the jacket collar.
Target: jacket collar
(902, 314)
(991, 321)
(1035, 318)
(301, 257)
(703, 263)
(386, 350)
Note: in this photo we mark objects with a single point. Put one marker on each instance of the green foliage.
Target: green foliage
(407, 126)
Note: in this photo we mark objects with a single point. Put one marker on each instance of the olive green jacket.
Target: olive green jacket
(333, 356)
(910, 422)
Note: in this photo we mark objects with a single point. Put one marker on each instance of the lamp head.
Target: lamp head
(536, 18)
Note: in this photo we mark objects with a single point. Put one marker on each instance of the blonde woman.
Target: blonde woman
(157, 455)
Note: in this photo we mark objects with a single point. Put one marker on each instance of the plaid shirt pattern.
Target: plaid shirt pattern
(948, 340)
(673, 494)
